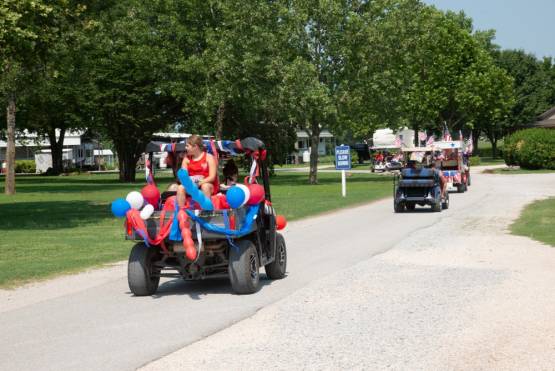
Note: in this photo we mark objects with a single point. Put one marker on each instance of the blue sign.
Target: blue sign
(342, 158)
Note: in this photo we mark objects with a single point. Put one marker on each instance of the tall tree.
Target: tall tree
(533, 81)
(486, 96)
(130, 53)
(27, 29)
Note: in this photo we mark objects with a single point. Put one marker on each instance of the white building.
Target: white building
(78, 150)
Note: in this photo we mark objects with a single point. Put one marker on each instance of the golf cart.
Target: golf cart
(386, 159)
(418, 184)
(227, 242)
(452, 164)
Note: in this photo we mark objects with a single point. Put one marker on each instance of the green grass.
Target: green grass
(517, 170)
(537, 221)
(56, 225)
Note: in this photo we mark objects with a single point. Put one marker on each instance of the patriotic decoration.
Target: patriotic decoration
(398, 142)
(446, 133)
(430, 141)
(469, 145)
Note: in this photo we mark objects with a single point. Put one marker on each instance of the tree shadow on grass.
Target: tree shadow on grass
(51, 214)
(68, 184)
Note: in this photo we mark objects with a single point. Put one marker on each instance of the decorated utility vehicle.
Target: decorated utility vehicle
(418, 184)
(228, 235)
(451, 162)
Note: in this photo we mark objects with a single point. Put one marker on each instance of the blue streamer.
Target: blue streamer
(192, 189)
(245, 228)
(175, 232)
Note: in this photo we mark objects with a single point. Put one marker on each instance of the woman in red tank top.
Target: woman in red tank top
(202, 168)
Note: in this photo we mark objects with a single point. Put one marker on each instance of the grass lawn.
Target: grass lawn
(537, 221)
(516, 170)
(57, 225)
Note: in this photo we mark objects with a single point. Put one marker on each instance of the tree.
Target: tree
(27, 29)
(533, 81)
(486, 96)
(130, 54)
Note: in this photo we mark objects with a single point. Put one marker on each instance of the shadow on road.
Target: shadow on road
(197, 289)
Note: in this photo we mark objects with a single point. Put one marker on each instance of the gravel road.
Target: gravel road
(459, 294)
(366, 289)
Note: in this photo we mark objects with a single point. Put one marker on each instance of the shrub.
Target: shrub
(531, 149)
(474, 160)
(25, 166)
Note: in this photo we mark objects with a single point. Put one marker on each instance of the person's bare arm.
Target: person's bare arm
(211, 170)
(185, 163)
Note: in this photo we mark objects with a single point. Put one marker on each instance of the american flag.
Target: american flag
(446, 133)
(469, 145)
(430, 141)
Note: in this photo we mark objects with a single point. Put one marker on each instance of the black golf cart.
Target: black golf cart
(418, 185)
(219, 254)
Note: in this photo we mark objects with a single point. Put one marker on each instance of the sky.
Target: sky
(519, 24)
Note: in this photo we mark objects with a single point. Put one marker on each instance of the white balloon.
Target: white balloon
(135, 199)
(147, 211)
(246, 191)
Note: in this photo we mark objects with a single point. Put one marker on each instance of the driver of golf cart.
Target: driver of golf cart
(202, 169)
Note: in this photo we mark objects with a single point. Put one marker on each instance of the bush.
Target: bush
(25, 166)
(531, 149)
(474, 160)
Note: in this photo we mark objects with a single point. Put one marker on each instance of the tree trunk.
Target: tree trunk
(314, 141)
(494, 148)
(220, 121)
(475, 139)
(493, 140)
(56, 150)
(127, 161)
(9, 187)
(416, 139)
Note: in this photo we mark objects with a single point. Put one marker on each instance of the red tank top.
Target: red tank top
(200, 167)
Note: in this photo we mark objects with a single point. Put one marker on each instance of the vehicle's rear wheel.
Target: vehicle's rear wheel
(460, 188)
(142, 276)
(398, 207)
(436, 206)
(445, 203)
(276, 269)
(243, 267)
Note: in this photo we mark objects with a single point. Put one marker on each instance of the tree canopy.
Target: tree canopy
(126, 69)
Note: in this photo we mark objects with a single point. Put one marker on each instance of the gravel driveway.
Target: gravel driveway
(459, 293)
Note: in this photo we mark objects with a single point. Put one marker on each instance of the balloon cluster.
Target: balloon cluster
(241, 194)
(146, 201)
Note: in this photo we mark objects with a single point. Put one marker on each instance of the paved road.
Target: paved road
(92, 322)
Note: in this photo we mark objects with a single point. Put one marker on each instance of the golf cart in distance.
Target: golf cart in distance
(417, 184)
(453, 166)
(230, 243)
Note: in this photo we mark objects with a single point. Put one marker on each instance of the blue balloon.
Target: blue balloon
(120, 207)
(235, 197)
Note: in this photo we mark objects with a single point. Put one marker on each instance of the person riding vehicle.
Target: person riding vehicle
(202, 168)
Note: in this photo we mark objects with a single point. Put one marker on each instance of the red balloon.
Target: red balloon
(257, 194)
(151, 194)
(191, 253)
(281, 222)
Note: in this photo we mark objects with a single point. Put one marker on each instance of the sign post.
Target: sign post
(343, 162)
